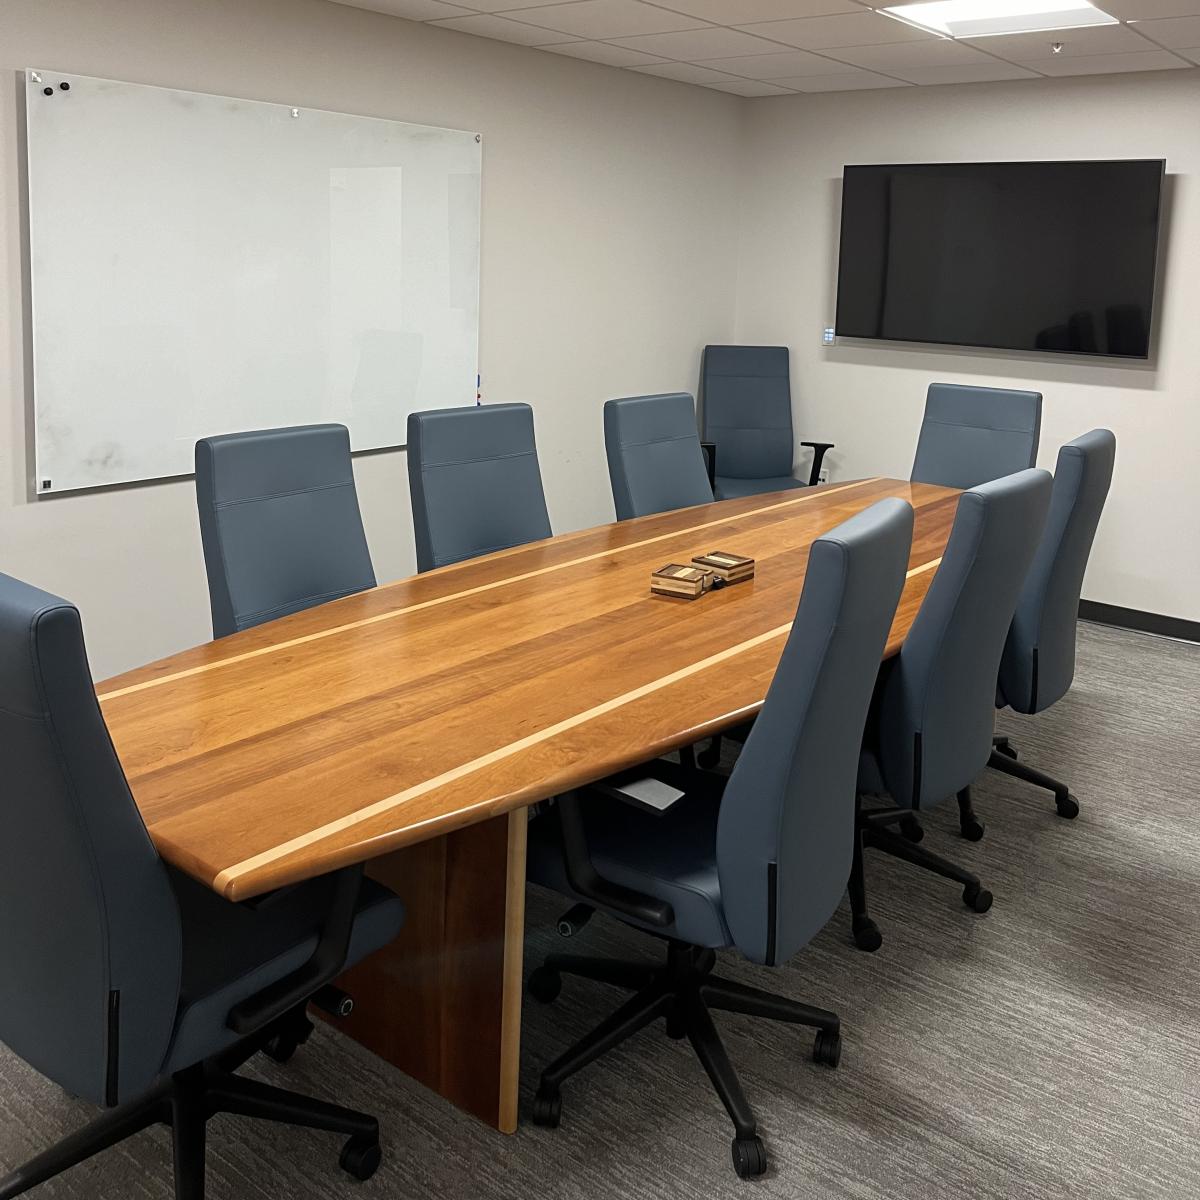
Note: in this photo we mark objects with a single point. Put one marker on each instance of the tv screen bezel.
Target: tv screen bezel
(1023, 350)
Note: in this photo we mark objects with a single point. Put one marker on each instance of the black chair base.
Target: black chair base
(872, 831)
(185, 1102)
(683, 992)
(1004, 759)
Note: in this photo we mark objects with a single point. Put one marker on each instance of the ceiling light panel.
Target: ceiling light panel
(984, 18)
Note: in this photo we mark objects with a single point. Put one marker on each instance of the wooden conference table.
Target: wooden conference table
(412, 724)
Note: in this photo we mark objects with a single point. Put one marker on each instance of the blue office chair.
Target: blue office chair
(475, 483)
(930, 730)
(655, 463)
(746, 405)
(279, 522)
(1038, 665)
(973, 434)
(759, 861)
(122, 980)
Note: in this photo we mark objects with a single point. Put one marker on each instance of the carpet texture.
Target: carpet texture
(1047, 1049)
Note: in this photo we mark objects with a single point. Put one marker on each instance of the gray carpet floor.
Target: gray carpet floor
(1047, 1049)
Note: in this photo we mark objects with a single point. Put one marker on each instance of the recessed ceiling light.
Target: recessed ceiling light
(982, 18)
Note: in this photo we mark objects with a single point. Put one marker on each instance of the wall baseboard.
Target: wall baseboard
(1143, 622)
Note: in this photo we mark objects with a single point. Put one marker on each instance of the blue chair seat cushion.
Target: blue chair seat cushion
(671, 857)
(728, 488)
(231, 951)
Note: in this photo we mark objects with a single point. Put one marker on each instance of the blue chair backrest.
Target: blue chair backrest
(785, 833)
(475, 483)
(280, 523)
(938, 703)
(1039, 656)
(655, 463)
(89, 933)
(973, 434)
(746, 406)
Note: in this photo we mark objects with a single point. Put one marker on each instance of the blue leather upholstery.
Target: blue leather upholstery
(90, 912)
(88, 909)
(734, 489)
(789, 805)
(974, 434)
(280, 523)
(931, 731)
(1039, 657)
(475, 483)
(746, 405)
(655, 463)
(764, 865)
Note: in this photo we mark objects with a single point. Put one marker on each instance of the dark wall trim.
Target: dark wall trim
(1143, 622)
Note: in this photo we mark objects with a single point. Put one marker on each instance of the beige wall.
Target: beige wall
(609, 259)
(868, 398)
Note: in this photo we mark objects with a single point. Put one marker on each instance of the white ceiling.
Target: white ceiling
(781, 47)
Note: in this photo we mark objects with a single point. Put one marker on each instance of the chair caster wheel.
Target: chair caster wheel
(547, 1108)
(867, 936)
(976, 898)
(709, 759)
(1007, 749)
(827, 1049)
(282, 1045)
(544, 985)
(1067, 806)
(972, 830)
(910, 828)
(749, 1157)
(361, 1157)
(280, 1048)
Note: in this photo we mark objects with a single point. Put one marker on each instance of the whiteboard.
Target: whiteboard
(205, 265)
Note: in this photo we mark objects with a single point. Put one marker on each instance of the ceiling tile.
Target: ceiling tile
(1104, 64)
(851, 29)
(985, 72)
(1147, 10)
(491, 6)
(749, 87)
(604, 18)
(502, 29)
(1028, 47)
(696, 44)
(413, 10)
(776, 66)
(940, 53)
(1192, 55)
(742, 12)
(602, 52)
(1175, 31)
(849, 81)
(684, 72)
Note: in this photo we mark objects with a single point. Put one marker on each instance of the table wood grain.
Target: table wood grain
(423, 706)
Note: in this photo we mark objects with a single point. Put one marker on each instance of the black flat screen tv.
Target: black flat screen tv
(1056, 256)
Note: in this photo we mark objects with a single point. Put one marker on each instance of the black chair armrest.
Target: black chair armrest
(327, 962)
(818, 449)
(589, 883)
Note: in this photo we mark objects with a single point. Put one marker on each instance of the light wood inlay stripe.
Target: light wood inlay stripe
(513, 970)
(227, 879)
(474, 591)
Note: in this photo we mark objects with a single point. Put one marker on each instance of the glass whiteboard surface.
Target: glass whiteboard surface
(204, 265)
